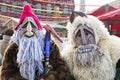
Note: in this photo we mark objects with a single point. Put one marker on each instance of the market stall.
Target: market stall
(102, 10)
(112, 21)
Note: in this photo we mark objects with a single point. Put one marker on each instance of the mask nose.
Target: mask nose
(83, 36)
(29, 30)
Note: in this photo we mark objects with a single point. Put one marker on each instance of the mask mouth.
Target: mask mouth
(86, 49)
(88, 55)
(29, 34)
(33, 33)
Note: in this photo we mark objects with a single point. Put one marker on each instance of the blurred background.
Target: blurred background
(57, 12)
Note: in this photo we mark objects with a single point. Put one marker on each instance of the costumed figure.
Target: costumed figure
(31, 55)
(5, 41)
(92, 53)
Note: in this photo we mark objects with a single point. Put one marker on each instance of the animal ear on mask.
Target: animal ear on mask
(76, 13)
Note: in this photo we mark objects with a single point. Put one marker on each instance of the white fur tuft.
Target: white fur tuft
(109, 44)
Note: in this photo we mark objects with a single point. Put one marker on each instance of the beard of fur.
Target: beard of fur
(88, 55)
(30, 57)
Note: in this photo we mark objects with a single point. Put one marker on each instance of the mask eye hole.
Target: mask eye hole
(79, 33)
(25, 26)
(86, 33)
(33, 26)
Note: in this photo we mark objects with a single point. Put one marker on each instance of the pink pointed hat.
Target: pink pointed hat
(27, 12)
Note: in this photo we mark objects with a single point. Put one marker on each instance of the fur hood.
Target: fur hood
(108, 43)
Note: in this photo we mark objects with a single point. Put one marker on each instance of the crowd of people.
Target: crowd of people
(29, 53)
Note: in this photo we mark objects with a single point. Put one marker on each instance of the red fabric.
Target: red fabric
(116, 26)
(115, 15)
(27, 12)
(101, 11)
(118, 35)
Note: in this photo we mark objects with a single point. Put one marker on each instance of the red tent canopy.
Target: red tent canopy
(102, 10)
(112, 15)
(113, 19)
(116, 27)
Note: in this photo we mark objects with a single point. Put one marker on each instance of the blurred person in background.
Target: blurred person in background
(1, 37)
(5, 41)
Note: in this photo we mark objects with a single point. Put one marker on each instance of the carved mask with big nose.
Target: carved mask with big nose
(29, 27)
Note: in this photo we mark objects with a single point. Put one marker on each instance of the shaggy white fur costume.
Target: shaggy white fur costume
(108, 43)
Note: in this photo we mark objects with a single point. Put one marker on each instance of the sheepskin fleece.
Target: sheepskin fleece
(108, 43)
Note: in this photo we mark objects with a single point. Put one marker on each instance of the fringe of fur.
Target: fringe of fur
(88, 55)
(104, 71)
